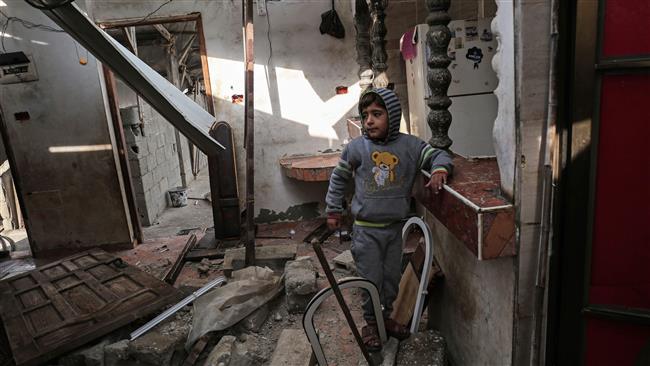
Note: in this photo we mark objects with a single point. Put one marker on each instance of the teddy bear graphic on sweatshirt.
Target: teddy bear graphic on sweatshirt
(384, 169)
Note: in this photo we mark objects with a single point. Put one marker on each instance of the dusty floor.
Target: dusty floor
(163, 245)
(197, 213)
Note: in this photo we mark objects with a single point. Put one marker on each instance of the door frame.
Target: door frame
(582, 67)
(114, 101)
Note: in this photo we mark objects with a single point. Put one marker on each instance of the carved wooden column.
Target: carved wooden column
(362, 25)
(438, 77)
(378, 40)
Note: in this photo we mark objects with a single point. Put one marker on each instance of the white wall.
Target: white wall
(296, 108)
(72, 199)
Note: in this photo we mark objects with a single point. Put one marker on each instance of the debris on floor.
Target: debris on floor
(299, 283)
(292, 349)
(427, 347)
(344, 262)
(62, 305)
(254, 320)
(272, 256)
(223, 307)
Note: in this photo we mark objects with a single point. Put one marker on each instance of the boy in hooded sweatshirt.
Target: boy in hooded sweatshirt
(384, 164)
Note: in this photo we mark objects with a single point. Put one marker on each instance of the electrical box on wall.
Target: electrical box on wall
(17, 67)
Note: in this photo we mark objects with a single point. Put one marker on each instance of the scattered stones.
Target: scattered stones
(423, 348)
(222, 352)
(292, 349)
(254, 322)
(345, 262)
(247, 353)
(117, 352)
(88, 356)
(158, 346)
(299, 284)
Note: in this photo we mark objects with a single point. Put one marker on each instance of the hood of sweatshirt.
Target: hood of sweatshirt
(394, 114)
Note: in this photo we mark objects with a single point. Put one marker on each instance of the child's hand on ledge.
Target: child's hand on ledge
(438, 179)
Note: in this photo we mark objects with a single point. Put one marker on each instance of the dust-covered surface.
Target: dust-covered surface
(426, 348)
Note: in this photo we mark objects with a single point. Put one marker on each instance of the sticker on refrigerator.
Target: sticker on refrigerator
(471, 33)
(486, 36)
(475, 54)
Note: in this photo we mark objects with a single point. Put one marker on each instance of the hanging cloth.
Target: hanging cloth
(331, 24)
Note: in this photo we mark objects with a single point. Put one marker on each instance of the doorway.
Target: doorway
(154, 154)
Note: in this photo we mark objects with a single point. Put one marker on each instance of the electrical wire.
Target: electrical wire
(25, 23)
(152, 13)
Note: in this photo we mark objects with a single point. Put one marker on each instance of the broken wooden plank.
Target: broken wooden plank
(199, 254)
(173, 271)
(273, 256)
(197, 349)
(65, 304)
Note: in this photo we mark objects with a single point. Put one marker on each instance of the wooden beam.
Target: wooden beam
(164, 32)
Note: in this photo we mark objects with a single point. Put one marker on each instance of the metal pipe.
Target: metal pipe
(169, 312)
(250, 140)
(549, 175)
(339, 298)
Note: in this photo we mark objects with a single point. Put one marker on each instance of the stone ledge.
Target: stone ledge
(310, 168)
(472, 209)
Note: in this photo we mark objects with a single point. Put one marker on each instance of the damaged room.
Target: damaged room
(324, 182)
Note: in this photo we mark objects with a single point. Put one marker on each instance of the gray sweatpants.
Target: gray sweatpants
(377, 253)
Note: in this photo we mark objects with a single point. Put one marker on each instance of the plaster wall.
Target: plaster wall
(65, 165)
(297, 110)
(474, 306)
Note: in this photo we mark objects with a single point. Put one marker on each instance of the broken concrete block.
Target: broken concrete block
(247, 353)
(157, 347)
(427, 347)
(299, 284)
(116, 353)
(272, 256)
(292, 349)
(345, 262)
(222, 352)
(254, 322)
(90, 356)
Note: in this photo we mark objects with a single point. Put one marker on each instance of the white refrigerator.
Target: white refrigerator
(474, 105)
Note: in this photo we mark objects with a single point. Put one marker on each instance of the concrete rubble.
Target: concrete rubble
(299, 283)
(222, 352)
(292, 349)
(423, 348)
(344, 262)
(254, 322)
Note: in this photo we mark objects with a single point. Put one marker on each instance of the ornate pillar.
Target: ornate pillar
(378, 35)
(503, 63)
(438, 77)
(362, 25)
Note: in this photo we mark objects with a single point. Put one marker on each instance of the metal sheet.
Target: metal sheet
(58, 307)
(192, 120)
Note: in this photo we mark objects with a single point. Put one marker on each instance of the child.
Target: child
(384, 164)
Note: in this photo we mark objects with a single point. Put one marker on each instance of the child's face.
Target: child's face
(375, 121)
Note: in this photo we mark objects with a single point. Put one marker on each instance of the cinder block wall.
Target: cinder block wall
(154, 164)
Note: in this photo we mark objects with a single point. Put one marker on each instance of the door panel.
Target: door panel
(626, 28)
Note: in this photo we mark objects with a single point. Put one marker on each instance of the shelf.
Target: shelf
(310, 168)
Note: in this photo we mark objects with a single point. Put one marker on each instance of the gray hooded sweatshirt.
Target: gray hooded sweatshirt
(384, 171)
